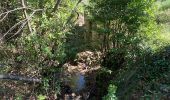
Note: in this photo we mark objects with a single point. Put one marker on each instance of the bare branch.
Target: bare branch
(4, 17)
(5, 14)
(26, 15)
(10, 11)
(12, 28)
(19, 30)
(23, 22)
(23, 25)
(20, 8)
(20, 78)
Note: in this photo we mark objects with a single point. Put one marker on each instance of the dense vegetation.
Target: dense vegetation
(130, 41)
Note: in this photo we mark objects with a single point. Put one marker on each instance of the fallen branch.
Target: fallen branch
(19, 78)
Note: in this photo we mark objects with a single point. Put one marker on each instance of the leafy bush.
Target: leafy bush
(111, 93)
(39, 53)
(164, 5)
(135, 54)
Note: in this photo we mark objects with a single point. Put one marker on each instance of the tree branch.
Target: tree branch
(19, 78)
(26, 15)
(56, 5)
(3, 17)
(72, 12)
(22, 22)
(13, 27)
(5, 14)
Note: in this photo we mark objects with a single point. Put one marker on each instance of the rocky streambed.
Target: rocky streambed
(79, 78)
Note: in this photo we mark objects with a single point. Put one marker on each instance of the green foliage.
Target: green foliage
(43, 50)
(164, 5)
(157, 65)
(46, 84)
(134, 50)
(102, 81)
(137, 59)
(137, 21)
(111, 93)
(19, 97)
(41, 97)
